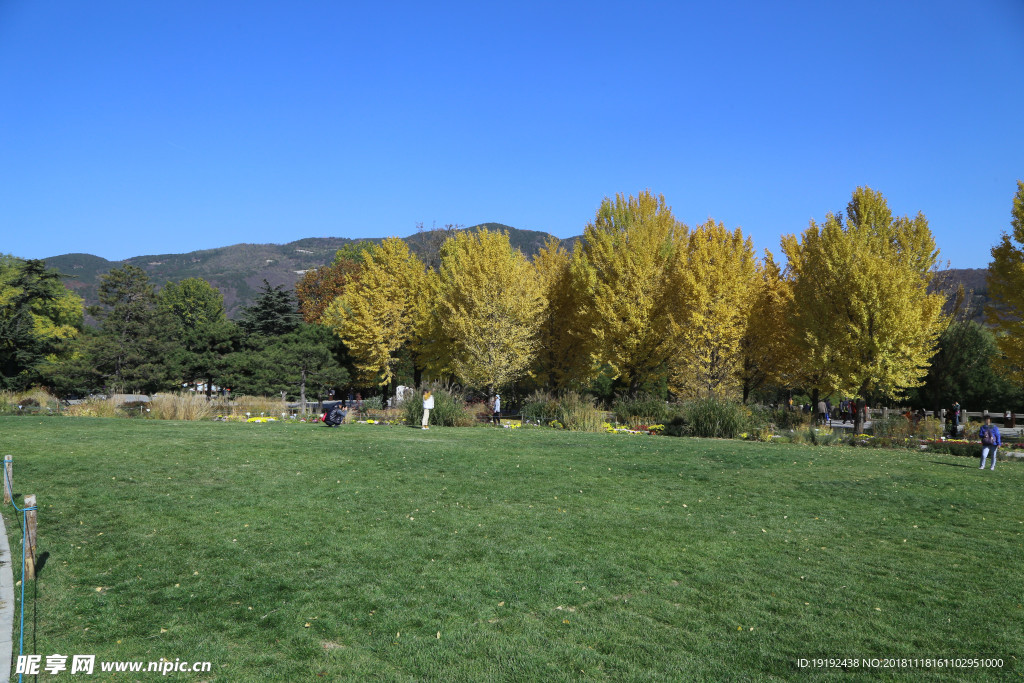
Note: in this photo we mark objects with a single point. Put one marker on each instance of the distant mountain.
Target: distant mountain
(975, 284)
(238, 271)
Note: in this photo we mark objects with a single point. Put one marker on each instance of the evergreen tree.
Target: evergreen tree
(130, 351)
(202, 333)
(37, 313)
(964, 369)
(193, 302)
(273, 313)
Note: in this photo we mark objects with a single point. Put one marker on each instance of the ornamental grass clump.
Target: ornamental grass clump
(254, 405)
(823, 436)
(186, 405)
(94, 407)
(577, 413)
(713, 417)
(31, 402)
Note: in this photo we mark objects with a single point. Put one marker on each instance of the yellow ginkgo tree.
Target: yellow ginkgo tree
(561, 364)
(715, 282)
(622, 272)
(384, 311)
(862, 318)
(768, 356)
(487, 309)
(1006, 287)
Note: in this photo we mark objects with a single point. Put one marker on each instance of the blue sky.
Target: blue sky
(131, 128)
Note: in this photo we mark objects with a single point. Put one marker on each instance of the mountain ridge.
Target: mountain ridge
(238, 270)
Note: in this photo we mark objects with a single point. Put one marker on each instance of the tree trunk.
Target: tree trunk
(815, 395)
(858, 417)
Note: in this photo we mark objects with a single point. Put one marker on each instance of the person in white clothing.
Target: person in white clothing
(428, 404)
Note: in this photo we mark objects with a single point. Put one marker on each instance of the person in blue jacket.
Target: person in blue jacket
(990, 441)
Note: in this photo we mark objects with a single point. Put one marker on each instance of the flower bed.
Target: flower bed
(640, 429)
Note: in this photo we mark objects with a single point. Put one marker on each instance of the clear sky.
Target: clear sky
(144, 127)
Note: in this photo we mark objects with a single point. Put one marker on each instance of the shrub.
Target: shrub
(822, 436)
(893, 427)
(450, 410)
(971, 450)
(38, 397)
(642, 409)
(374, 403)
(971, 430)
(677, 427)
(540, 406)
(132, 409)
(714, 418)
(930, 428)
(790, 419)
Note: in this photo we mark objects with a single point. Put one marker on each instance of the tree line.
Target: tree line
(644, 304)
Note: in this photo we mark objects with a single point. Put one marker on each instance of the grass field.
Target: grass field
(298, 553)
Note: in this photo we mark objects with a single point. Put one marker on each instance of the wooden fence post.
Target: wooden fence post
(9, 481)
(30, 538)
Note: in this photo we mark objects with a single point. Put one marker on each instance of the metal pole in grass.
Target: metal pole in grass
(30, 537)
(8, 478)
(29, 509)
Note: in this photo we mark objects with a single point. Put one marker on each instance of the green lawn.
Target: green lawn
(299, 553)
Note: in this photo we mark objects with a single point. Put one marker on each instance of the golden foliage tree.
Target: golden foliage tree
(383, 311)
(622, 273)
(488, 309)
(768, 355)
(1006, 287)
(317, 289)
(560, 365)
(863, 319)
(715, 285)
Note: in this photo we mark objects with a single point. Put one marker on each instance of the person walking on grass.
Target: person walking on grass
(990, 441)
(428, 405)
